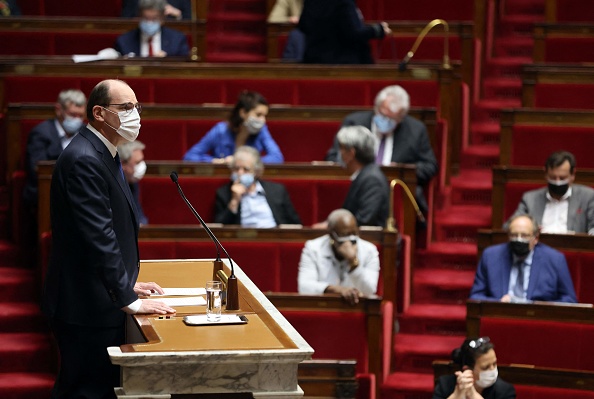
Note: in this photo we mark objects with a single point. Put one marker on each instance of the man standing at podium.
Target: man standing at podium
(91, 279)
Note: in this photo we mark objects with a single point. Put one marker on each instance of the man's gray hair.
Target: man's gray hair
(152, 5)
(125, 150)
(255, 154)
(359, 138)
(400, 98)
(72, 96)
(338, 215)
(535, 227)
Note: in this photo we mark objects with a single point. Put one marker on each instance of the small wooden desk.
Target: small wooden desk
(167, 357)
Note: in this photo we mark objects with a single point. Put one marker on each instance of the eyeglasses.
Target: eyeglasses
(477, 343)
(128, 107)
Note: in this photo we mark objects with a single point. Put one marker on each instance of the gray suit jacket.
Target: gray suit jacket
(580, 217)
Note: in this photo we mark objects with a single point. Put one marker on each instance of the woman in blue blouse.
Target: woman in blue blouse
(246, 126)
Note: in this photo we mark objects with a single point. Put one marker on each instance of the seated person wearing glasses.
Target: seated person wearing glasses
(339, 262)
(477, 377)
(523, 269)
(250, 201)
(246, 126)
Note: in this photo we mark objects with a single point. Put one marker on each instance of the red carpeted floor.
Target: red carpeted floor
(435, 322)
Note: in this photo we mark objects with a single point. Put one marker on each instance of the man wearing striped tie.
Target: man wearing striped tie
(523, 270)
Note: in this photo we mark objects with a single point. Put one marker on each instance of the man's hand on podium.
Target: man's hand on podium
(152, 306)
(147, 289)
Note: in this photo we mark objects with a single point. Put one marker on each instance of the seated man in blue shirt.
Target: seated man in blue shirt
(249, 201)
(523, 270)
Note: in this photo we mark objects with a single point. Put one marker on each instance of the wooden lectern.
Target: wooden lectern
(165, 357)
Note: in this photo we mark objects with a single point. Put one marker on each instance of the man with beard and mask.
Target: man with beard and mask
(248, 200)
(151, 39)
(246, 126)
(523, 269)
(400, 138)
(48, 139)
(561, 207)
(339, 262)
(478, 376)
(132, 158)
(91, 282)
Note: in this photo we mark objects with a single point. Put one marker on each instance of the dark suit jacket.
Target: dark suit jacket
(411, 144)
(130, 8)
(549, 275)
(173, 42)
(94, 261)
(135, 189)
(44, 144)
(335, 33)
(580, 215)
(276, 195)
(368, 197)
(446, 385)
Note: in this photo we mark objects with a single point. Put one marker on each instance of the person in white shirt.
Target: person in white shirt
(339, 262)
(561, 207)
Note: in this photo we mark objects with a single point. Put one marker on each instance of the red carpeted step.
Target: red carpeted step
(416, 353)
(506, 66)
(460, 223)
(518, 24)
(21, 317)
(442, 286)
(26, 385)
(485, 132)
(489, 109)
(480, 156)
(514, 46)
(25, 352)
(472, 187)
(502, 88)
(534, 7)
(402, 385)
(17, 285)
(447, 255)
(433, 319)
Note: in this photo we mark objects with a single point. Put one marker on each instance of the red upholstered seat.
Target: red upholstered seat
(535, 392)
(574, 10)
(164, 139)
(538, 342)
(569, 49)
(303, 141)
(566, 95)
(109, 8)
(513, 196)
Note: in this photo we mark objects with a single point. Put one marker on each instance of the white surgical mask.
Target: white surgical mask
(72, 124)
(149, 28)
(129, 124)
(247, 179)
(487, 378)
(139, 170)
(384, 124)
(254, 124)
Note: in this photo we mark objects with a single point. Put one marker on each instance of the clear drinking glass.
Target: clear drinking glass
(213, 300)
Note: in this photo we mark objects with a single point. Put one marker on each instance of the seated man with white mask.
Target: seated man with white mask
(400, 138)
(151, 39)
(339, 262)
(134, 167)
(562, 206)
(249, 201)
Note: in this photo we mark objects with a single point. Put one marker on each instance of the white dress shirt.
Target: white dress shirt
(554, 218)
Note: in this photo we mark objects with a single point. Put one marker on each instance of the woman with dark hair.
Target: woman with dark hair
(246, 126)
(477, 377)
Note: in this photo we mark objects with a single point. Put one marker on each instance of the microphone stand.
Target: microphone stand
(231, 281)
(426, 29)
(391, 222)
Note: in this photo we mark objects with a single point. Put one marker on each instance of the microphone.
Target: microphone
(232, 290)
(426, 29)
(391, 222)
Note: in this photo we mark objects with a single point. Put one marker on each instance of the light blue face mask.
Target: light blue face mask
(247, 179)
(384, 124)
(71, 124)
(149, 28)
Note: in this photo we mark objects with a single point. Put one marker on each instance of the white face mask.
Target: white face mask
(72, 124)
(487, 378)
(254, 124)
(129, 124)
(139, 170)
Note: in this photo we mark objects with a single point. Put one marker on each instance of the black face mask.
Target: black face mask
(519, 248)
(558, 191)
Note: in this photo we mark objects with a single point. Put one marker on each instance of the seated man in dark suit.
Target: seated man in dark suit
(562, 206)
(151, 39)
(47, 140)
(134, 167)
(523, 269)
(250, 201)
(400, 138)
